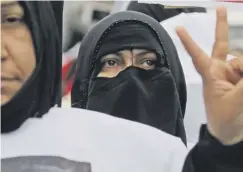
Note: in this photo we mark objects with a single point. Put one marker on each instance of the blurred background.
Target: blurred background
(90, 12)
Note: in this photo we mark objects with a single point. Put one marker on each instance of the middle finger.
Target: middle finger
(220, 49)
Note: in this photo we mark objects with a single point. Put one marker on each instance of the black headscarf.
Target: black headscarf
(156, 97)
(158, 12)
(57, 7)
(42, 90)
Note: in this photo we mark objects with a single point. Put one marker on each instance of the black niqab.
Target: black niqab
(42, 90)
(150, 97)
(158, 12)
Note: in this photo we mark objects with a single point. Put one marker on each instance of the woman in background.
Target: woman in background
(130, 69)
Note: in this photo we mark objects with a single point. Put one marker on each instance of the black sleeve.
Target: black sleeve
(158, 12)
(209, 155)
(152, 10)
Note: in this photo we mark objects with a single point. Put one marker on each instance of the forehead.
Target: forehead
(9, 7)
(9, 4)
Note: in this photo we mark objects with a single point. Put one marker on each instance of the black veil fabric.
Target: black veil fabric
(158, 12)
(91, 49)
(57, 7)
(41, 91)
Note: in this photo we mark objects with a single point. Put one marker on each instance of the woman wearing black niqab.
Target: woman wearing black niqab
(150, 90)
(41, 90)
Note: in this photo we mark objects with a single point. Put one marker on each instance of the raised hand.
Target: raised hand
(222, 82)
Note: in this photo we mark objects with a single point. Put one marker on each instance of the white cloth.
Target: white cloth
(108, 143)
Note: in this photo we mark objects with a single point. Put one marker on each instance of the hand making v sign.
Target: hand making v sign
(222, 82)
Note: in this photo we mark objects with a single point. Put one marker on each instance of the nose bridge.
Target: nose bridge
(128, 59)
(134, 63)
(4, 39)
(135, 57)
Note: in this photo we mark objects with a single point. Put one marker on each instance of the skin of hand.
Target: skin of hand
(222, 82)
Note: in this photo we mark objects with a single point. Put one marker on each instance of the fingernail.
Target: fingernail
(221, 11)
(178, 28)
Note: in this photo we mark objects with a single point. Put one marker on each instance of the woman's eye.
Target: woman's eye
(110, 63)
(149, 62)
(12, 20)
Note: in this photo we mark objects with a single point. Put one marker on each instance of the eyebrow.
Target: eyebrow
(121, 54)
(9, 4)
(144, 53)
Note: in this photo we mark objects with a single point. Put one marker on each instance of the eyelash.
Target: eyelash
(103, 63)
(152, 60)
(12, 20)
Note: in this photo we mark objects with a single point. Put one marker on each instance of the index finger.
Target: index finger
(200, 59)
